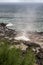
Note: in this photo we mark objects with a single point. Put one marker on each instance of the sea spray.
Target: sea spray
(23, 37)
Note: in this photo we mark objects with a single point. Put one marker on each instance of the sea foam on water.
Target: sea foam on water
(9, 24)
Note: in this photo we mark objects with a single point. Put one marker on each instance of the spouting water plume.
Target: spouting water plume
(23, 37)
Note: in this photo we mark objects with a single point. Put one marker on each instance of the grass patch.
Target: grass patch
(14, 56)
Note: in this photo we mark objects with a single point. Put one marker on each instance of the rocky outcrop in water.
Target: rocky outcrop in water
(6, 32)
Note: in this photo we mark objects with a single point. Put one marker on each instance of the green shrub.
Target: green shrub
(29, 58)
(10, 56)
(14, 56)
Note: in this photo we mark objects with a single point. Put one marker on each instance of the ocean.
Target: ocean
(23, 16)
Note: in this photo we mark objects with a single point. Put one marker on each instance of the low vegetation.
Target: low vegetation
(15, 56)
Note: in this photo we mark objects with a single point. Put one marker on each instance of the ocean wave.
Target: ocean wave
(9, 24)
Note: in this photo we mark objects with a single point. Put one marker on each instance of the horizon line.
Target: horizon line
(19, 2)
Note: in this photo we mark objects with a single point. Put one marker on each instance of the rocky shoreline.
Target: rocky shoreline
(36, 41)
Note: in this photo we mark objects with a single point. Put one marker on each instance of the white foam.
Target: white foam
(22, 38)
(9, 24)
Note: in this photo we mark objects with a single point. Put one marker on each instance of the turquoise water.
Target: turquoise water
(24, 17)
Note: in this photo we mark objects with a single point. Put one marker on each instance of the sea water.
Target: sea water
(22, 16)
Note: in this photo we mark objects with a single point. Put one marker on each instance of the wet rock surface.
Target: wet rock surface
(40, 57)
(6, 32)
(36, 41)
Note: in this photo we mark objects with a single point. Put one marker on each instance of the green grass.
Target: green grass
(14, 56)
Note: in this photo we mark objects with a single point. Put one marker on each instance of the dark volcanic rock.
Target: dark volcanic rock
(40, 57)
(3, 24)
(6, 32)
(40, 33)
(28, 43)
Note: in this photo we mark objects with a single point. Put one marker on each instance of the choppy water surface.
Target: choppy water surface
(24, 17)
